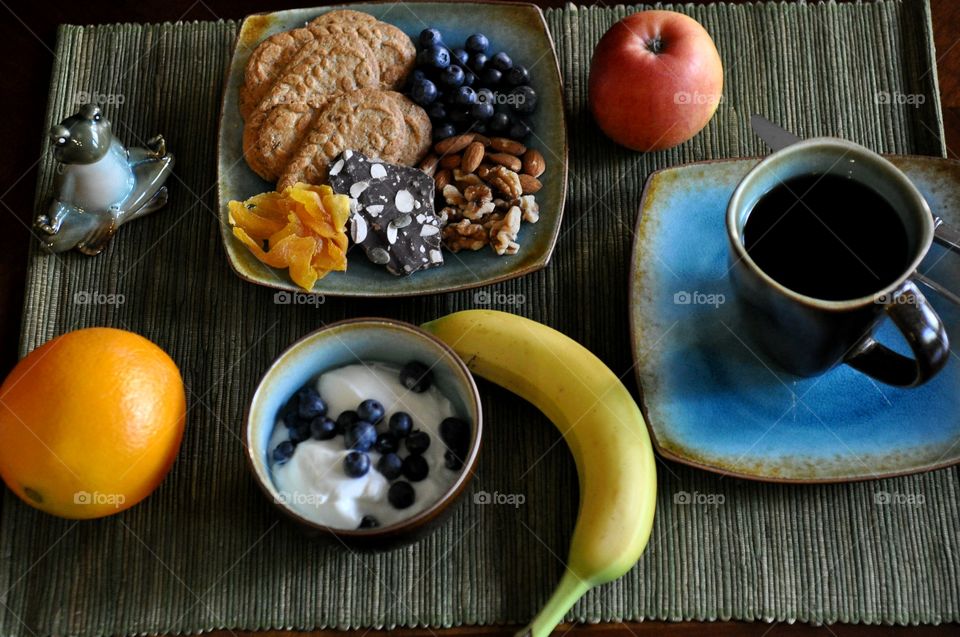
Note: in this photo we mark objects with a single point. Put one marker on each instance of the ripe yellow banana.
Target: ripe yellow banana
(601, 424)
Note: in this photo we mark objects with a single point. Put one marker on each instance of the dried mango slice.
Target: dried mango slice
(302, 229)
(256, 224)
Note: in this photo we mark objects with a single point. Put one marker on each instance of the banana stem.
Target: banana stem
(568, 591)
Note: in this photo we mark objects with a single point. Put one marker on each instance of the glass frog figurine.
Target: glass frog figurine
(100, 184)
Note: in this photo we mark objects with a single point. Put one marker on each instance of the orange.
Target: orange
(90, 422)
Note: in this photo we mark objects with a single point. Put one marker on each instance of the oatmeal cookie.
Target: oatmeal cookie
(267, 63)
(324, 66)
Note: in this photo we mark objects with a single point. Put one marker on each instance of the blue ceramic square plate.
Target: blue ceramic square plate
(519, 29)
(711, 402)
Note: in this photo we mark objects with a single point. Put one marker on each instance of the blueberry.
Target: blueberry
(356, 464)
(415, 468)
(460, 117)
(452, 461)
(499, 123)
(400, 424)
(300, 433)
(322, 428)
(437, 112)
(361, 436)
(418, 442)
(424, 92)
(523, 99)
(478, 61)
(460, 56)
(443, 131)
(517, 76)
(490, 76)
(369, 522)
(310, 404)
(429, 37)
(416, 377)
(455, 433)
(401, 494)
(434, 57)
(482, 111)
(502, 62)
(466, 96)
(415, 76)
(370, 410)
(450, 97)
(469, 79)
(386, 443)
(283, 451)
(518, 130)
(290, 417)
(390, 465)
(480, 128)
(345, 419)
(485, 96)
(477, 43)
(452, 76)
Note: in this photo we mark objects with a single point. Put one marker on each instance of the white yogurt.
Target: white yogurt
(313, 481)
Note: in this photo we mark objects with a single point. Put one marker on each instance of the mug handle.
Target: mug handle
(924, 331)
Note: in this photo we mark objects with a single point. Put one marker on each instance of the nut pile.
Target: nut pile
(488, 186)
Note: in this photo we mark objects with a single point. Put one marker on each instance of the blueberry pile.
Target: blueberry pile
(364, 429)
(471, 88)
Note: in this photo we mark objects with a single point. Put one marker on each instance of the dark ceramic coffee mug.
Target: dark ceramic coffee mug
(808, 336)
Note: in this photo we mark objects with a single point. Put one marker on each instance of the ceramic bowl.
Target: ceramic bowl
(349, 342)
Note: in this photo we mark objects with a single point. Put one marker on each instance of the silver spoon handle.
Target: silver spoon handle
(946, 235)
(936, 287)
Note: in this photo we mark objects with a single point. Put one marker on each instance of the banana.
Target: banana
(601, 424)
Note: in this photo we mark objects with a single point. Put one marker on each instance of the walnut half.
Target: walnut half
(506, 181)
(465, 235)
(503, 234)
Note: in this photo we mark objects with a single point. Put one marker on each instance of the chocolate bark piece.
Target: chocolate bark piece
(393, 216)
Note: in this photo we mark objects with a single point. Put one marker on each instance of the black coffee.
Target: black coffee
(828, 237)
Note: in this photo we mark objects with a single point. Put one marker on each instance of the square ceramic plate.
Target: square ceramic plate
(713, 403)
(520, 30)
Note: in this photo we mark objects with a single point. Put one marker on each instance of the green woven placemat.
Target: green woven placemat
(206, 550)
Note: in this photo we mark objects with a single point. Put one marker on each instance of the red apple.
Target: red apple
(655, 80)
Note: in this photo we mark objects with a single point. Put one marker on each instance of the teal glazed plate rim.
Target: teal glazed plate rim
(711, 402)
(518, 28)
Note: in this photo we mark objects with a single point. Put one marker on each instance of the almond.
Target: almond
(477, 137)
(511, 162)
(529, 184)
(453, 144)
(509, 146)
(472, 157)
(533, 163)
(429, 164)
(450, 161)
(442, 178)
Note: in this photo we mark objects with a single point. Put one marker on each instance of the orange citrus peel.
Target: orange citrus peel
(302, 229)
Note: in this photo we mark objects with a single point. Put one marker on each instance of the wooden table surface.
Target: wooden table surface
(27, 39)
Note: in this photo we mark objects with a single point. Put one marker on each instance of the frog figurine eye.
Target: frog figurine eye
(90, 111)
(60, 135)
